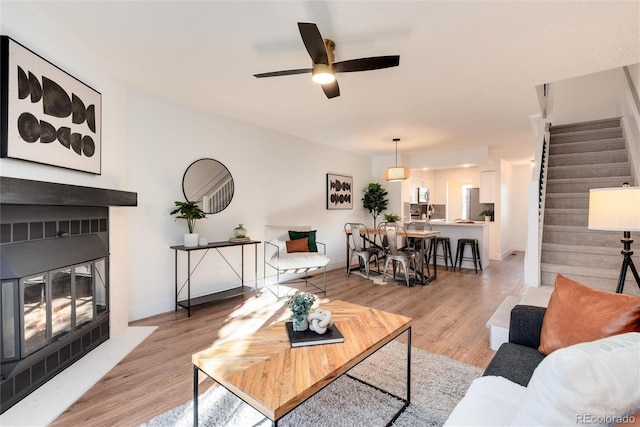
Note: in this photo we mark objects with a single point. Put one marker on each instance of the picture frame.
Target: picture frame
(339, 191)
(47, 116)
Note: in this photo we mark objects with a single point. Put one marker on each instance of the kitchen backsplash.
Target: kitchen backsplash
(418, 210)
(439, 211)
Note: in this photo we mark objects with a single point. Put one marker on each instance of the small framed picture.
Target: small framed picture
(339, 191)
(47, 115)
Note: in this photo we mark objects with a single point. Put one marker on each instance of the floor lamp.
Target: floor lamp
(617, 209)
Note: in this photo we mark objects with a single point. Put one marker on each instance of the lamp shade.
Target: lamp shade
(396, 173)
(614, 209)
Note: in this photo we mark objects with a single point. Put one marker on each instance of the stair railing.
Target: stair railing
(220, 197)
(536, 200)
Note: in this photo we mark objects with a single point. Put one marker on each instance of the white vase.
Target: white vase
(301, 326)
(190, 240)
(487, 219)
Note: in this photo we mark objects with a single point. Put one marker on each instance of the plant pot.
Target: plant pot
(300, 326)
(190, 240)
(487, 219)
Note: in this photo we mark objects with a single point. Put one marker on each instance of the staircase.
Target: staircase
(583, 156)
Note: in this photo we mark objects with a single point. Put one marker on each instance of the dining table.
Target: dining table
(422, 236)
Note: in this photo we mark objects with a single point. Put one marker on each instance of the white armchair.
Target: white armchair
(294, 262)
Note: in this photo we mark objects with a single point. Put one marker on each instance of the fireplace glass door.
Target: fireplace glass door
(100, 279)
(72, 298)
(34, 294)
(61, 302)
(9, 308)
(83, 276)
(55, 304)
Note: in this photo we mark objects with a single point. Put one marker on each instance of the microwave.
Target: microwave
(423, 195)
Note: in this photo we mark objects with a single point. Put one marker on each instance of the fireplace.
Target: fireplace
(54, 281)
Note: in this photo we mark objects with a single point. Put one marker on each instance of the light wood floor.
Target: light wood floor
(449, 318)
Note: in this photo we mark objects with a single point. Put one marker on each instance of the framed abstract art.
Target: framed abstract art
(47, 115)
(339, 191)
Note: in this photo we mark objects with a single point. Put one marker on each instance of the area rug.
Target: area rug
(437, 385)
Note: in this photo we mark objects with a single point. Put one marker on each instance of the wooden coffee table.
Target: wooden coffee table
(264, 370)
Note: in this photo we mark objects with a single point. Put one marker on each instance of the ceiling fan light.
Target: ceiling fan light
(396, 173)
(323, 74)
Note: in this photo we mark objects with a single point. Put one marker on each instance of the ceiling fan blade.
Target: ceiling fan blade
(331, 89)
(313, 42)
(366, 64)
(284, 73)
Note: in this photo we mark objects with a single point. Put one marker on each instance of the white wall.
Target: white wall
(591, 97)
(505, 214)
(279, 180)
(21, 23)
(517, 188)
(398, 191)
(458, 158)
(147, 145)
(630, 100)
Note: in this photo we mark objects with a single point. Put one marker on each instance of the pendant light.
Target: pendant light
(396, 173)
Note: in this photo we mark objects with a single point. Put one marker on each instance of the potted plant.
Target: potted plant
(191, 212)
(391, 217)
(300, 303)
(375, 200)
(487, 214)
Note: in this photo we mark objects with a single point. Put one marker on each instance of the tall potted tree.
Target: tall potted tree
(375, 200)
(190, 212)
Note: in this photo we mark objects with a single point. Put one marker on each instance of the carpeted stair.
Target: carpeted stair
(583, 156)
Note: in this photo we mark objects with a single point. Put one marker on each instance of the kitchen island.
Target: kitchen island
(465, 230)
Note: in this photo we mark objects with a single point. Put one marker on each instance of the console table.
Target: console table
(189, 302)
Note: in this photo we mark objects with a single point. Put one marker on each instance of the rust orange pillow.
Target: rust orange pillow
(298, 245)
(578, 313)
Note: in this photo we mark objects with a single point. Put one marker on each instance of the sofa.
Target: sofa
(517, 359)
(576, 362)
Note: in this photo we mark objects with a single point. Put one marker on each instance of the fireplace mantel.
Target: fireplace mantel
(19, 191)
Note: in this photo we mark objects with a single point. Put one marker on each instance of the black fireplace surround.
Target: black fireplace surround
(54, 294)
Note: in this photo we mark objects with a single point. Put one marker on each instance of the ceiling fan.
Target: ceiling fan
(323, 66)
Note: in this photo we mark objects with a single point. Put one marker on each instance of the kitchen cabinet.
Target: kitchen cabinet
(416, 181)
(487, 187)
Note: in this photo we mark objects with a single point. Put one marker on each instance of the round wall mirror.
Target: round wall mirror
(209, 183)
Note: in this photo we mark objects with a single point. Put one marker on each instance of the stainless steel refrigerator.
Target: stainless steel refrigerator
(474, 207)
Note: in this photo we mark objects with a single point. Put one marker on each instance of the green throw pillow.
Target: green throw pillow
(294, 235)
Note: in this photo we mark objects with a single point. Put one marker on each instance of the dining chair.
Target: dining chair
(415, 245)
(360, 246)
(412, 242)
(395, 237)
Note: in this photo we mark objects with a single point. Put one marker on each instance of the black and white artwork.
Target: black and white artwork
(339, 191)
(47, 115)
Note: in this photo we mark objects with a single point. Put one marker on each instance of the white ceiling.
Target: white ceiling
(467, 74)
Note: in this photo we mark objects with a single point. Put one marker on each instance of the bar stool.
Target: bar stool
(446, 250)
(475, 252)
